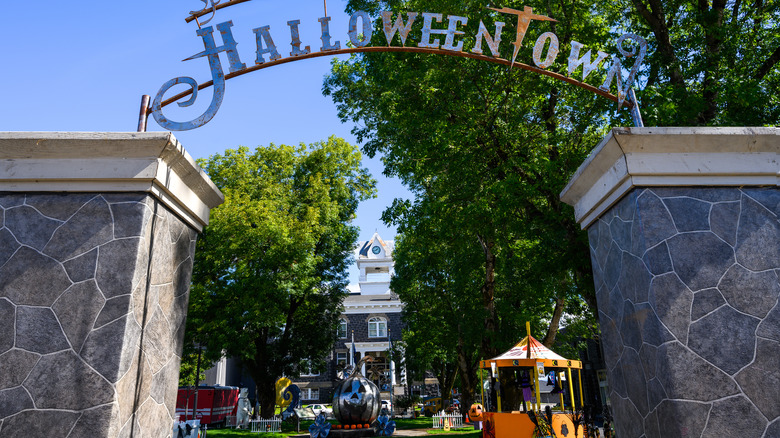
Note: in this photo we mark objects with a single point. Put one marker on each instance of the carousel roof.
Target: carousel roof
(519, 356)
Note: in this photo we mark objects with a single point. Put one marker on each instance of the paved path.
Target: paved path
(410, 432)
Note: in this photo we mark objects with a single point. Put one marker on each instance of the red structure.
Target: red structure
(214, 403)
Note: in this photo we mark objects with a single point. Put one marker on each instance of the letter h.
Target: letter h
(212, 51)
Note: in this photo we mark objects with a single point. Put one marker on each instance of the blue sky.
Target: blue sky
(83, 66)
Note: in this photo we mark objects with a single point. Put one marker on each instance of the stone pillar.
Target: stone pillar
(684, 232)
(97, 236)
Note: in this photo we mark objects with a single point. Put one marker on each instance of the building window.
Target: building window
(341, 358)
(308, 371)
(342, 330)
(377, 328)
(310, 394)
(603, 386)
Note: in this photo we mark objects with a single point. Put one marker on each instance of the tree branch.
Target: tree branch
(768, 65)
(657, 22)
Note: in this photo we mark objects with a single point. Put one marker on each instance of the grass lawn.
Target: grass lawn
(401, 424)
(467, 432)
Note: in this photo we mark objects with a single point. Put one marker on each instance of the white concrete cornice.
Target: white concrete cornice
(153, 162)
(363, 346)
(653, 157)
(369, 307)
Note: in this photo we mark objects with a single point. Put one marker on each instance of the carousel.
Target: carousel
(517, 410)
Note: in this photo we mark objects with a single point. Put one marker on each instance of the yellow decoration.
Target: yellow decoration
(281, 385)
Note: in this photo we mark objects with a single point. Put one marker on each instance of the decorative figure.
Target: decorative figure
(528, 389)
(476, 412)
(543, 427)
(243, 409)
(577, 418)
(293, 395)
(555, 382)
(607, 422)
(356, 400)
(206, 8)
(549, 416)
(386, 425)
(320, 428)
(489, 426)
(281, 385)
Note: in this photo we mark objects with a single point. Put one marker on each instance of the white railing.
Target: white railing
(441, 420)
(268, 425)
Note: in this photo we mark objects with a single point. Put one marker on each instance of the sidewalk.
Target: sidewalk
(410, 432)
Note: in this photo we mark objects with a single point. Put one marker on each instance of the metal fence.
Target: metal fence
(230, 421)
(268, 425)
(454, 421)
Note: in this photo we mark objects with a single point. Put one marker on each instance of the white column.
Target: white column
(363, 368)
(392, 373)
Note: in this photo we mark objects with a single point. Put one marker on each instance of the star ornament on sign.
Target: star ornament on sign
(524, 18)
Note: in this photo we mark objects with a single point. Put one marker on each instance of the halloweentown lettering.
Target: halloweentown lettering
(429, 39)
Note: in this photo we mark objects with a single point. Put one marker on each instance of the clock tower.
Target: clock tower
(375, 264)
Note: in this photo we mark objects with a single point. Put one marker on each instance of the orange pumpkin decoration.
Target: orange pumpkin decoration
(366, 426)
(475, 412)
(337, 426)
(359, 426)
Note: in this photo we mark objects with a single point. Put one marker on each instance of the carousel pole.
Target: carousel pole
(571, 388)
(482, 388)
(498, 387)
(536, 369)
(563, 406)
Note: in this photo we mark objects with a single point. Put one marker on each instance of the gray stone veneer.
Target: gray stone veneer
(687, 289)
(89, 343)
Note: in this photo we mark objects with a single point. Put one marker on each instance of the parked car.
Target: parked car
(387, 404)
(321, 409)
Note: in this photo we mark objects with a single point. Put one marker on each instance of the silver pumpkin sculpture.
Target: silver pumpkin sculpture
(356, 400)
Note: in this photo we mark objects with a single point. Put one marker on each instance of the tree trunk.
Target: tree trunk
(266, 394)
(468, 372)
(552, 331)
(446, 377)
(489, 298)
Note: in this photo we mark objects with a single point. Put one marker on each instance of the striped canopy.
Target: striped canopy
(518, 356)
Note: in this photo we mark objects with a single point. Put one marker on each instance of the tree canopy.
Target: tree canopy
(486, 244)
(270, 276)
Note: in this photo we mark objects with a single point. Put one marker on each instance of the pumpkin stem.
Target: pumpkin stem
(359, 366)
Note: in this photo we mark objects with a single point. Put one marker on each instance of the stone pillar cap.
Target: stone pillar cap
(153, 162)
(705, 156)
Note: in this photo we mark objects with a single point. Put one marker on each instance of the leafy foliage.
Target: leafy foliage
(486, 244)
(270, 275)
(711, 62)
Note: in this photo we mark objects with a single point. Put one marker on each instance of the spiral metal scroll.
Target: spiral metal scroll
(218, 77)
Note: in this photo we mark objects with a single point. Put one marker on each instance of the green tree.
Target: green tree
(270, 276)
(710, 62)
(486, 244)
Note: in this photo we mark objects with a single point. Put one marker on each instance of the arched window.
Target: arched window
(377, 328)
(342, 330)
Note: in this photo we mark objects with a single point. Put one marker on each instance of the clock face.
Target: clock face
(376, 250)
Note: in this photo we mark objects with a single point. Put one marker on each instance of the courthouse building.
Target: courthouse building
(372, 317)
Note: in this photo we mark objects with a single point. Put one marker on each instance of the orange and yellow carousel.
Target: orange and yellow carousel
(520, 372)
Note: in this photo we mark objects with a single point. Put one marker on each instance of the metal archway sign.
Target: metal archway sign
(361, 27)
